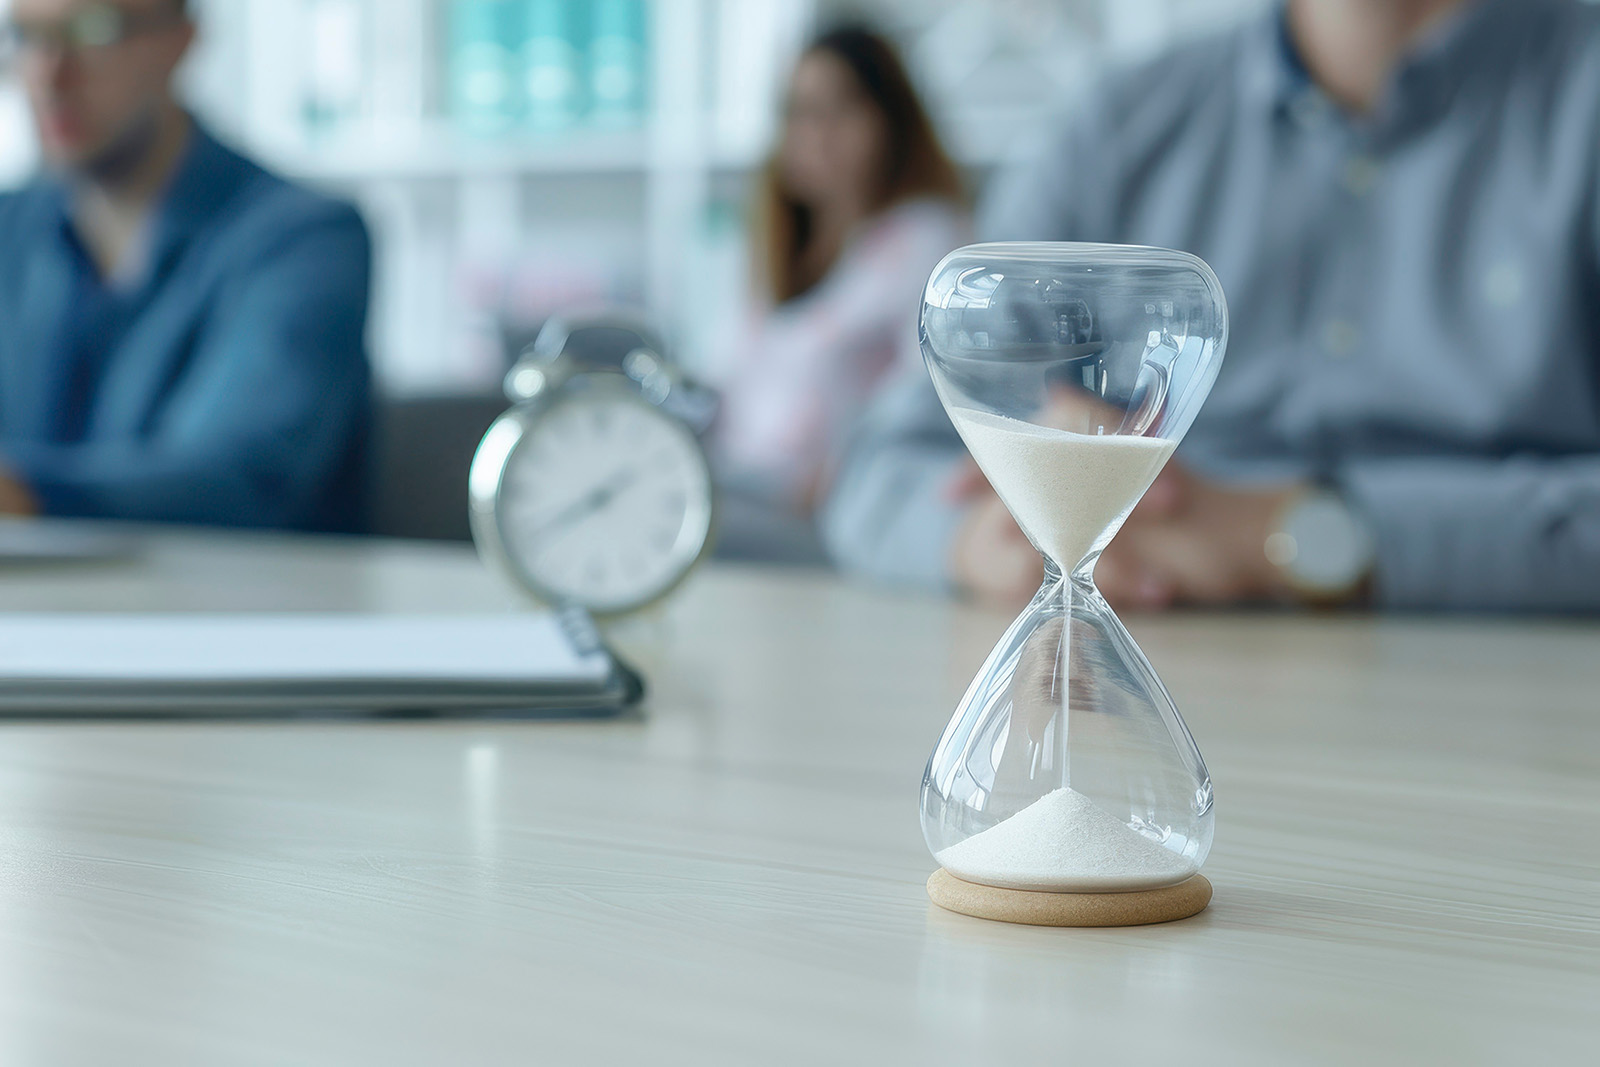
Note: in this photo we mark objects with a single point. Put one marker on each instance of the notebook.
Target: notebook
(33, 541)
(218, 665)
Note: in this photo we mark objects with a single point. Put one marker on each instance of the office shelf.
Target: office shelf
(435, 150)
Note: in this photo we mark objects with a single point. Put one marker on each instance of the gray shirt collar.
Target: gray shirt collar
(1424, 83)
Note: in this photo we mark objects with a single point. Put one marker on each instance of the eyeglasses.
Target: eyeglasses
(87, 30)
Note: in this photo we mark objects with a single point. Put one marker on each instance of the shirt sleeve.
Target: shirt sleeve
(1515, 535)
(1042, 194)
(266, 414)
(888, 516)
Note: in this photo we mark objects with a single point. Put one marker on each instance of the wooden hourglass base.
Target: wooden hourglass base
(1135, 908)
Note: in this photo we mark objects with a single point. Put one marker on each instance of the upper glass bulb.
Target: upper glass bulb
(1035, 347)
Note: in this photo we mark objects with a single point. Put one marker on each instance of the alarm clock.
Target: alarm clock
(594, 489)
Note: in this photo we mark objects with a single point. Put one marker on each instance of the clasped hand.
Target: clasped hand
(1189, 541)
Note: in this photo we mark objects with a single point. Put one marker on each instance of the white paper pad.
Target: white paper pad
(31, 541)
(107, 663)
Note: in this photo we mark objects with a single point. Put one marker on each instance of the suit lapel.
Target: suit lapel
(150, 356)
(161, 341)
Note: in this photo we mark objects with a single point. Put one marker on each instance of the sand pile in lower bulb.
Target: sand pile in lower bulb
(1064, 841)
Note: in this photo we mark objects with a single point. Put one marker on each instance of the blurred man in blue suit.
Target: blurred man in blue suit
(181, 333)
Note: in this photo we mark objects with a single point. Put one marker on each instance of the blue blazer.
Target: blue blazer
(228, 385)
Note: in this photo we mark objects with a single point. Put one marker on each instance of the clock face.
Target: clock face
(605, 501)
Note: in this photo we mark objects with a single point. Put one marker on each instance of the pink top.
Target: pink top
(806, 369)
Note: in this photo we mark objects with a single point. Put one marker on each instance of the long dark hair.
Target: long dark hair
(915, 164)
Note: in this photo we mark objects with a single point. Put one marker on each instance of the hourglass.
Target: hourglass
(1066, 789)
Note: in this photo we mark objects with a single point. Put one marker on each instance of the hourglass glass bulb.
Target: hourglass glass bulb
(1071, 372)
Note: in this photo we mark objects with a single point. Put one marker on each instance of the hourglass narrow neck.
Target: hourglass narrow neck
(1082, 578)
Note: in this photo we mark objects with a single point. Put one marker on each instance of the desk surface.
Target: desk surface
(1406, 861)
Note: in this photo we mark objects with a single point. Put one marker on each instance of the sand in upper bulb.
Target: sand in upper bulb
(1063, 488)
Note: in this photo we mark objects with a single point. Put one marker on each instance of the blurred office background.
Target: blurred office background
(519, 157)
(515, 157)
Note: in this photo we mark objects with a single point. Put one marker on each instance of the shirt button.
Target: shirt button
(1360, 175)
(1340, 338)
(1502, 285)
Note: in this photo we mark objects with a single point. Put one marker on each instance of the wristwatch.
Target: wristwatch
(1322, 547)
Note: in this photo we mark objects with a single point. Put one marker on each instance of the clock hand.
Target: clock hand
(589, 503)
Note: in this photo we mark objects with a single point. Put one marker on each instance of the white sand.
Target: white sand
(1064, 489)
(1064, 841)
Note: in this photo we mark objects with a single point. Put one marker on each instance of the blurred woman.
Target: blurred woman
(856, 207)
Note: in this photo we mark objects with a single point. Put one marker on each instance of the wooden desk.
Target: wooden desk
(1406, 862)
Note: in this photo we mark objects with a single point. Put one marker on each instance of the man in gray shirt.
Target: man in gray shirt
(1402, 200)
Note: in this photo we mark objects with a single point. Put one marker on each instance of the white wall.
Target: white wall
(17, 152)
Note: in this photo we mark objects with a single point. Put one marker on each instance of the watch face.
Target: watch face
(605, 501)
(1331, 550)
